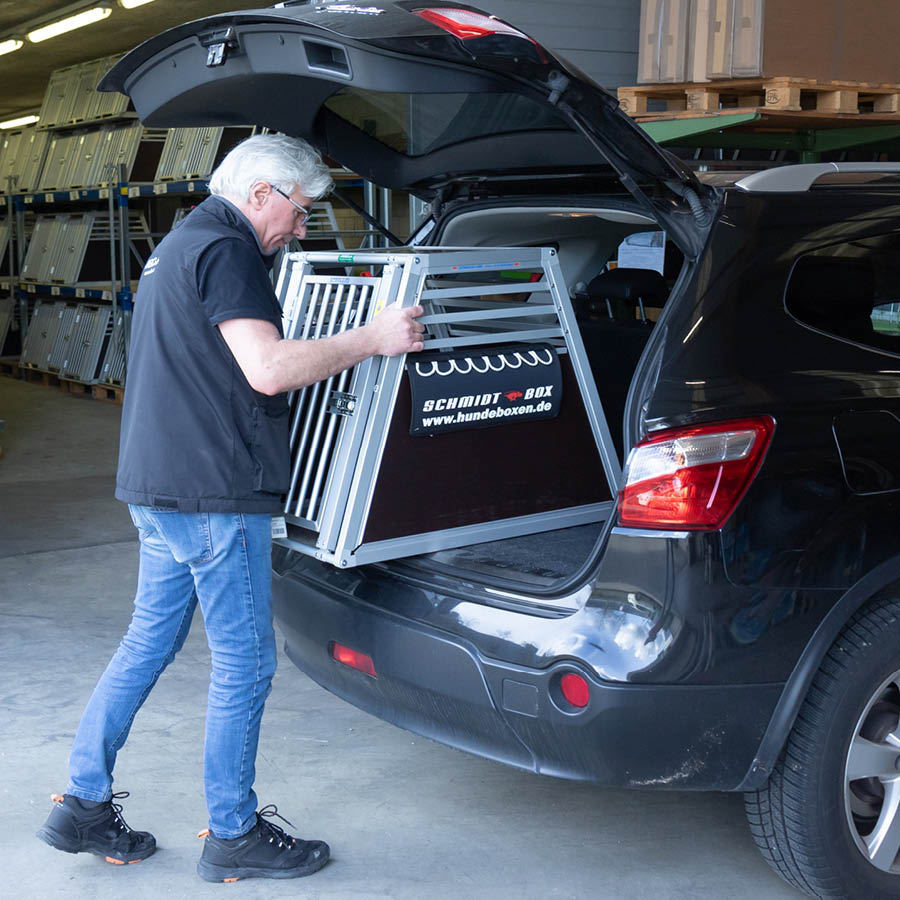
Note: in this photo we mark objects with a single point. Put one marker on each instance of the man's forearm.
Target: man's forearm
(294, 364)
(273, 365)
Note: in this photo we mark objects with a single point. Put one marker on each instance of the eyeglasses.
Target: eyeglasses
(302, 213)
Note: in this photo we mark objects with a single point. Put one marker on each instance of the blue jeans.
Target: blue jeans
(224, 561)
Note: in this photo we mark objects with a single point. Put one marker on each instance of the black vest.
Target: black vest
(195, 436)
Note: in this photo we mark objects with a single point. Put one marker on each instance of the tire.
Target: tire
(824, 830)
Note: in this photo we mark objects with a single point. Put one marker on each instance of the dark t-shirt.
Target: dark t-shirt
(195, 436)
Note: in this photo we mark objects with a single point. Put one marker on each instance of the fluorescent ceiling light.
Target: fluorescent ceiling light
(22, 120)
(69, 23)
(131, 4)
(9, 45)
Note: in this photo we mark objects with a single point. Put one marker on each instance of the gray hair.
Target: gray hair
(284, 162)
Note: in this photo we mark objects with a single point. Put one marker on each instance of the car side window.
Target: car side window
(850, 290)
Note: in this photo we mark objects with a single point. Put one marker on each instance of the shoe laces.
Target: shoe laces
(117, 811)
(275, 832)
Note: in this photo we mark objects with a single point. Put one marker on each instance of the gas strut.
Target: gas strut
(370, 219)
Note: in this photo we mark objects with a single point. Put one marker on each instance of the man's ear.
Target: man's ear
(259, 194)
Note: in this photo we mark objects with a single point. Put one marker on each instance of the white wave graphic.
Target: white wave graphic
(503, 361)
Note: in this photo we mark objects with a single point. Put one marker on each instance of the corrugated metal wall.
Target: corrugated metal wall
(598, 36)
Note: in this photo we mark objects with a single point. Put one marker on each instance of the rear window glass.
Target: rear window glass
(851, 290)
(416, 124)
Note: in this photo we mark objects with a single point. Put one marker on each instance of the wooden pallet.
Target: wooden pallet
(782, 93)
(76, 387)
(9, 365)
(108, 393)
(36, 376)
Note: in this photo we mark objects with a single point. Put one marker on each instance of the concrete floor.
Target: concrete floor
(406, 818)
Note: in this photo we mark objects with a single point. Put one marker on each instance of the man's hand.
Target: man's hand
(395, 331)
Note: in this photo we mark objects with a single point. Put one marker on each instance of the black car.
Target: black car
(731, 620)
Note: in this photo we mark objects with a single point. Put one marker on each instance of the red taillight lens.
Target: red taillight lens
(693, 478)
(353, 658)
(575, 689)
(465, 24)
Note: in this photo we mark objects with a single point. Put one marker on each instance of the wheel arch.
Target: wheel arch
(880, 581)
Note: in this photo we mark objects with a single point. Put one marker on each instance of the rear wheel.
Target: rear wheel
(829, 819)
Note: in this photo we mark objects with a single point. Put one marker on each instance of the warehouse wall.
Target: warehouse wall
(598, 36)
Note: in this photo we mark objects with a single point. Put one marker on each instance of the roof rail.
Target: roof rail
(802, 177)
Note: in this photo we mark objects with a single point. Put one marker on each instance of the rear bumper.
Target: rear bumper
(438, 685)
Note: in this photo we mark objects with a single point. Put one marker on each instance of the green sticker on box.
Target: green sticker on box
(345, 257)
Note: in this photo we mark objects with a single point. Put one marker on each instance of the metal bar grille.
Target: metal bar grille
(38, 248)
(7, 308)
(70, 244)
(324, 308)
(54, 166)
(188, 153)
(29, 159)
(9, 150)
(113, 369)
(93, 326)
(46, 335)
(85, 153)
(37, 332)
(87, 80)
(59, 352)
(199, 161)
(168, 161)
(55, 96)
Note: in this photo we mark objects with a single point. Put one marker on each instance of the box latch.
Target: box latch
(341, 404)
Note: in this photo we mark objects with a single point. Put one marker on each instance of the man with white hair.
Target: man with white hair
(203, 464)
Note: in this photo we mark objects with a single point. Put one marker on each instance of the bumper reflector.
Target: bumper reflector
(353, 658)
(575, 689)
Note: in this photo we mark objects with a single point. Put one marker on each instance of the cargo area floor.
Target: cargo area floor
(538, 559)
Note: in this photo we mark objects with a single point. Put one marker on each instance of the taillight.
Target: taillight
(693, 478)
(353, 658)
(465, 24)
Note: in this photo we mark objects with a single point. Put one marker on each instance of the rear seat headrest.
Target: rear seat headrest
(630, 284)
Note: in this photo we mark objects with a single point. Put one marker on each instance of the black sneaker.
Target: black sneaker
(265, 851)
(77, 825)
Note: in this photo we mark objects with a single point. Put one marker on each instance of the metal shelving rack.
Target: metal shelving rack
(80, 179)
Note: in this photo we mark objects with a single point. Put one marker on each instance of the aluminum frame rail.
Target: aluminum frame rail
(339, 427)
(7, 311)
(112, 371)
